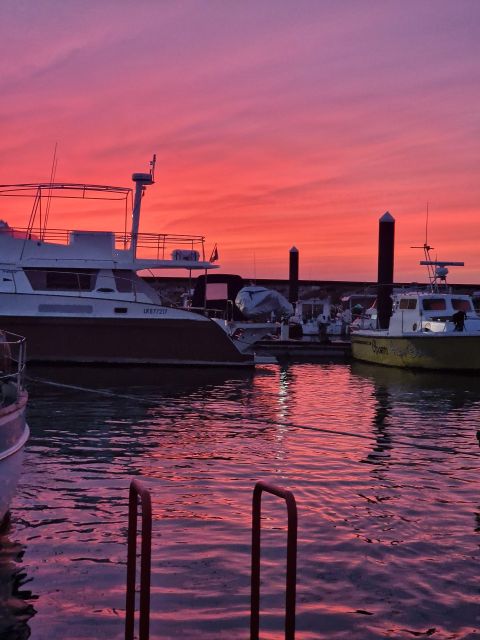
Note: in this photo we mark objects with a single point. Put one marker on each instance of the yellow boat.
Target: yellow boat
(428, 330)
(420, 350)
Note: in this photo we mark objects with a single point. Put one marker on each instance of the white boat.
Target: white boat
(313, 316)
(13, 427)
(319, 319)
(77, 297)
(428, 329)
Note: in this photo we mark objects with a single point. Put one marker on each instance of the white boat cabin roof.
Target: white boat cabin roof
(430, 301)
(97, 250)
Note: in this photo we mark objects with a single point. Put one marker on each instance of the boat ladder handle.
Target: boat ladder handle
(138, 491)
(291, 581)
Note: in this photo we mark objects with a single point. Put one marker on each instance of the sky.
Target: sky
(276, 123)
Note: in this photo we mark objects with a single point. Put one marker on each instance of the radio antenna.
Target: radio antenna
(153, 162)
(426, 228)
(49, 197)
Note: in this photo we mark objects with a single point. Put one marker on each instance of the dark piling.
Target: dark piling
(386, 249)
(293, 276)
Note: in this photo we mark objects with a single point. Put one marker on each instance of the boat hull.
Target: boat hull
(422, 351)
(14, 433)
(126, 340)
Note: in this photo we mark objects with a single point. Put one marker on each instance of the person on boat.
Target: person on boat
(346, 319)
(459, 320)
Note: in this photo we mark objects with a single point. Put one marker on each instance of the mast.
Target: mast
(141, 181)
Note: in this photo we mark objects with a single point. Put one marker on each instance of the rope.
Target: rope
(262, 421)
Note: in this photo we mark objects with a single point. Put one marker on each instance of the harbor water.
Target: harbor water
(384, 465)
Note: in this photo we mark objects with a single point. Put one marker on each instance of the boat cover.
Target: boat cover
(258, 301)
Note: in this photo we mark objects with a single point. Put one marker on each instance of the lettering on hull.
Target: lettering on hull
(379, 350)
(155, 311)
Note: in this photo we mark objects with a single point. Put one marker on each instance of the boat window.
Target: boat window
(128, 281)
(460, 304)
(408, 303)
(434, 304)
(123, 280)
(62, 279)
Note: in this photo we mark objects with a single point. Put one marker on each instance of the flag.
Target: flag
(214, 256)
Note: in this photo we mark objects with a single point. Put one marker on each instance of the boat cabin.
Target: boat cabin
(417, 311)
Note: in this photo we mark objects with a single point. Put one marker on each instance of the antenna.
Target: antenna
(153, 162)
(426, 227)
(437, 269)
(49, 197)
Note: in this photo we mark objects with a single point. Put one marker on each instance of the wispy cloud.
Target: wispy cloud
(275, 123)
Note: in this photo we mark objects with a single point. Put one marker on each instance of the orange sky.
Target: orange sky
(275, 123)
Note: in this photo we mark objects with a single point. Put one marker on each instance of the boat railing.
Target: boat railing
(12, 362)
(159, 246)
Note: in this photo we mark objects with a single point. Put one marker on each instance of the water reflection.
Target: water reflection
(383, 408)
(380, 462)
(16, 606)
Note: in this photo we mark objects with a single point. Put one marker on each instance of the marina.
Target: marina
(384, 474)
(232, 402)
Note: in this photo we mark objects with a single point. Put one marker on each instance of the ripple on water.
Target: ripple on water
(383, 464)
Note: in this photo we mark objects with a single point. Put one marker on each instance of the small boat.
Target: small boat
(355, 311)
(14, 430)
(313, 316)
(428, 329)
(247, 313)
(77, 295)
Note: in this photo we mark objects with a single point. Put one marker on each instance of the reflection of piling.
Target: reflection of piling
(386, 248)
(293, 276)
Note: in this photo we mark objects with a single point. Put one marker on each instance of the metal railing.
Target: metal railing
(156, 245)
(138, 491)
(291, 579)
(12, 359)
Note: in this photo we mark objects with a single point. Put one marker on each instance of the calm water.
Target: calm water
(384, 466)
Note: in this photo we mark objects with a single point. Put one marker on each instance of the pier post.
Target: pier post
(386, 250)
(293, 276)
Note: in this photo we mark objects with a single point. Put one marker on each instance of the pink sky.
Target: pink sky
(275, 123)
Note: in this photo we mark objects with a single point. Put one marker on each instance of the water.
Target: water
(383, 463)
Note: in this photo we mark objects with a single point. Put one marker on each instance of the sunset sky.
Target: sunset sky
(275, 123)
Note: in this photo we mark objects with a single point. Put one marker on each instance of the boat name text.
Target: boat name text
(155, 311)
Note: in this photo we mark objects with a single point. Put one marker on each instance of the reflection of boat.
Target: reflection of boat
(13, 427)
(16, 606)
(76, 295)
(421, 379)
(431, 329)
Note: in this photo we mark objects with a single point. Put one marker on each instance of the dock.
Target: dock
(338, 350)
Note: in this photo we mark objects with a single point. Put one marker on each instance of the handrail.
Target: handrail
(290, 594)
(12, 358)
(158, 242)
(138, 490)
